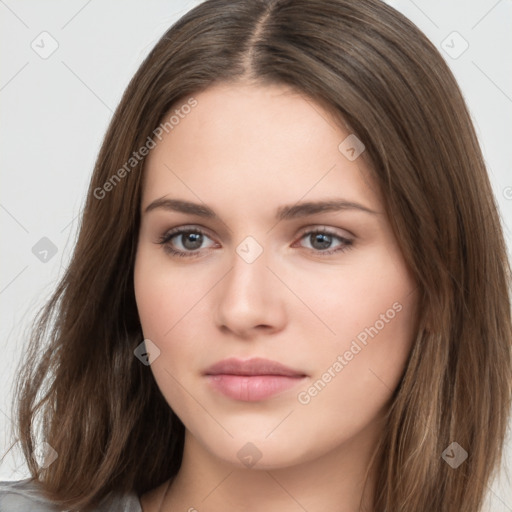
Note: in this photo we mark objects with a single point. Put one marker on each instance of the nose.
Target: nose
(250, 299)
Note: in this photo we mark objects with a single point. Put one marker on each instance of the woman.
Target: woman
(290, 289)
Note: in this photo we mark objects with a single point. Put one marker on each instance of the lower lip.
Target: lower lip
(252, 388)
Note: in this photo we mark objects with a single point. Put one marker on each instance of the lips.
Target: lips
(255, 366)
(252, 380)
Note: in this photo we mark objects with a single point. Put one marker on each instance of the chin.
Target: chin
(257, 452)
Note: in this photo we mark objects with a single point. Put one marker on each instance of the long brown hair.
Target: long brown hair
(80, 388)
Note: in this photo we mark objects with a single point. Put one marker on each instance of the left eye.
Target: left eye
(321, 241)
(190, 241)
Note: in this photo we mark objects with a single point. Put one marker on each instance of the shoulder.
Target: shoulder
(25, 495)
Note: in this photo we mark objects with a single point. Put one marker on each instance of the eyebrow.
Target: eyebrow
(286, 212)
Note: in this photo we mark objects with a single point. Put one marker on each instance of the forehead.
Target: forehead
(237, 112)
(254, 143)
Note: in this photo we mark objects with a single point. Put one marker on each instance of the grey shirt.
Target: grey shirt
(25, 496)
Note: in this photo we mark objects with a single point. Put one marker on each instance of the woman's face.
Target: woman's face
(266, 271)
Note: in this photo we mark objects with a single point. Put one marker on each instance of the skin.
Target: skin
(244, 151)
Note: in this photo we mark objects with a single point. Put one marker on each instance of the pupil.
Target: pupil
(323, 239)
(196, 240)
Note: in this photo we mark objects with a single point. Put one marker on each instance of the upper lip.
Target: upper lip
(254, 366)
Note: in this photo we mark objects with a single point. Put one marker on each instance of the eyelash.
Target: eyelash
(166, 238)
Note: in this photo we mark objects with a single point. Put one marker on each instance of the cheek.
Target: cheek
(356, 380)
(353, 296)
(370, 305)
(353, 382)
(163, 302)
(173, 314)
(164, 295)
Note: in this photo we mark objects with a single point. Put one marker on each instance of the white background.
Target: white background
(56, 110)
